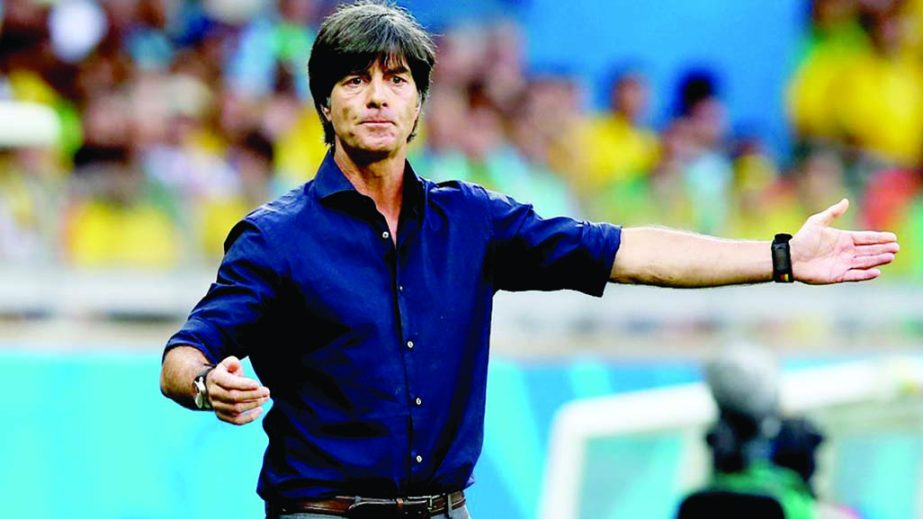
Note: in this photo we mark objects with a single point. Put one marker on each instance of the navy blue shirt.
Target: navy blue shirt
(376, 354)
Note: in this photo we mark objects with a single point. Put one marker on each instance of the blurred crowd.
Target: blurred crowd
(180, 116)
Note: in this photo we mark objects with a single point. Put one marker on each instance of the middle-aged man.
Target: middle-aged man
(364, 297)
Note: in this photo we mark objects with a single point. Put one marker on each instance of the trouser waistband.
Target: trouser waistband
(362, 508)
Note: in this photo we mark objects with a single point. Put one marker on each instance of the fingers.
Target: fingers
(241, 411)
(230, 389)
(230, 408)
(235, 398)
(875, 260)
(236, 406)
(827, 216)
(228, 380)
(873, 237)
(861, 275)
(232, 365)
(878, 248)
(240, 418)
(863, 267)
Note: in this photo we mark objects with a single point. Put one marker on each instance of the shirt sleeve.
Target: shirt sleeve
(231, 315)
(534, 253)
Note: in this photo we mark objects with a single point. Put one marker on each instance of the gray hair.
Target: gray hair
(745, 379)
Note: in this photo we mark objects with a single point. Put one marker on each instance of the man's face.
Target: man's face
(374, 111)
(630, 97)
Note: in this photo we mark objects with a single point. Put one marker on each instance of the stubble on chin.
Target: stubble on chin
(367, 152)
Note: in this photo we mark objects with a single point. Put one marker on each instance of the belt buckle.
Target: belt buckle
(371, 510)
(415, 507)
(410, 508)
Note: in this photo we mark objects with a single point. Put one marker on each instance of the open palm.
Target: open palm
(822, 254)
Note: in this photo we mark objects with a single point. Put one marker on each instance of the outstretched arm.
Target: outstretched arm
(820, 254)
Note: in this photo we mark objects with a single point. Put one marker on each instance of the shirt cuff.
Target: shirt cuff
(608, 241)
(201, 336)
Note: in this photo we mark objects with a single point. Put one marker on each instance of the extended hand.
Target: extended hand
(822, 254)
(236, 398)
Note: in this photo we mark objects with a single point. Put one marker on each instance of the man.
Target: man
(761, 460)
(364, 297)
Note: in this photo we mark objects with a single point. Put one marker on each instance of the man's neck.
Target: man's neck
(381, 179)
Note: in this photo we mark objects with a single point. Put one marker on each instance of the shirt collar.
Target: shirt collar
(414, 192)
(331, 181)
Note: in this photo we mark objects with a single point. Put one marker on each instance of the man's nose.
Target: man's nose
(377, 92)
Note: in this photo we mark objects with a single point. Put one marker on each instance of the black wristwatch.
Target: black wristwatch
(782, 259)
(201, 388)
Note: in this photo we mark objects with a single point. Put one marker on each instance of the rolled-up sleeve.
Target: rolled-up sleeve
(230, 316)
(533, 253)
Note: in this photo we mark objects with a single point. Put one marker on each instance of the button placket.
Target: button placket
(414, 401)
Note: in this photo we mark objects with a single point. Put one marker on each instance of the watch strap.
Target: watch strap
(782, 259)
(200, 386)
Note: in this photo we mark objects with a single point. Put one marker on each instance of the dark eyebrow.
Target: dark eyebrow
(400, 69)
(397, 69)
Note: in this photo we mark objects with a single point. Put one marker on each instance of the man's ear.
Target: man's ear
(325, 109)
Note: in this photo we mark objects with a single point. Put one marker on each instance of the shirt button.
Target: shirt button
(419, 459)
(386, 235)
(410, 344)
(400, 288)
(419, 401)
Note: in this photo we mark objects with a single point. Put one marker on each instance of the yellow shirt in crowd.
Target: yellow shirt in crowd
(613, 150)
(102, 234)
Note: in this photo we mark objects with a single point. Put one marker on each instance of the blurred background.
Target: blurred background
(135, 133)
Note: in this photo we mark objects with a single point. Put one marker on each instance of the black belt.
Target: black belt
(370, 508)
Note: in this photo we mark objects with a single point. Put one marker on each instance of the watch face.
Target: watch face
(201, 390)
(200, 399)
